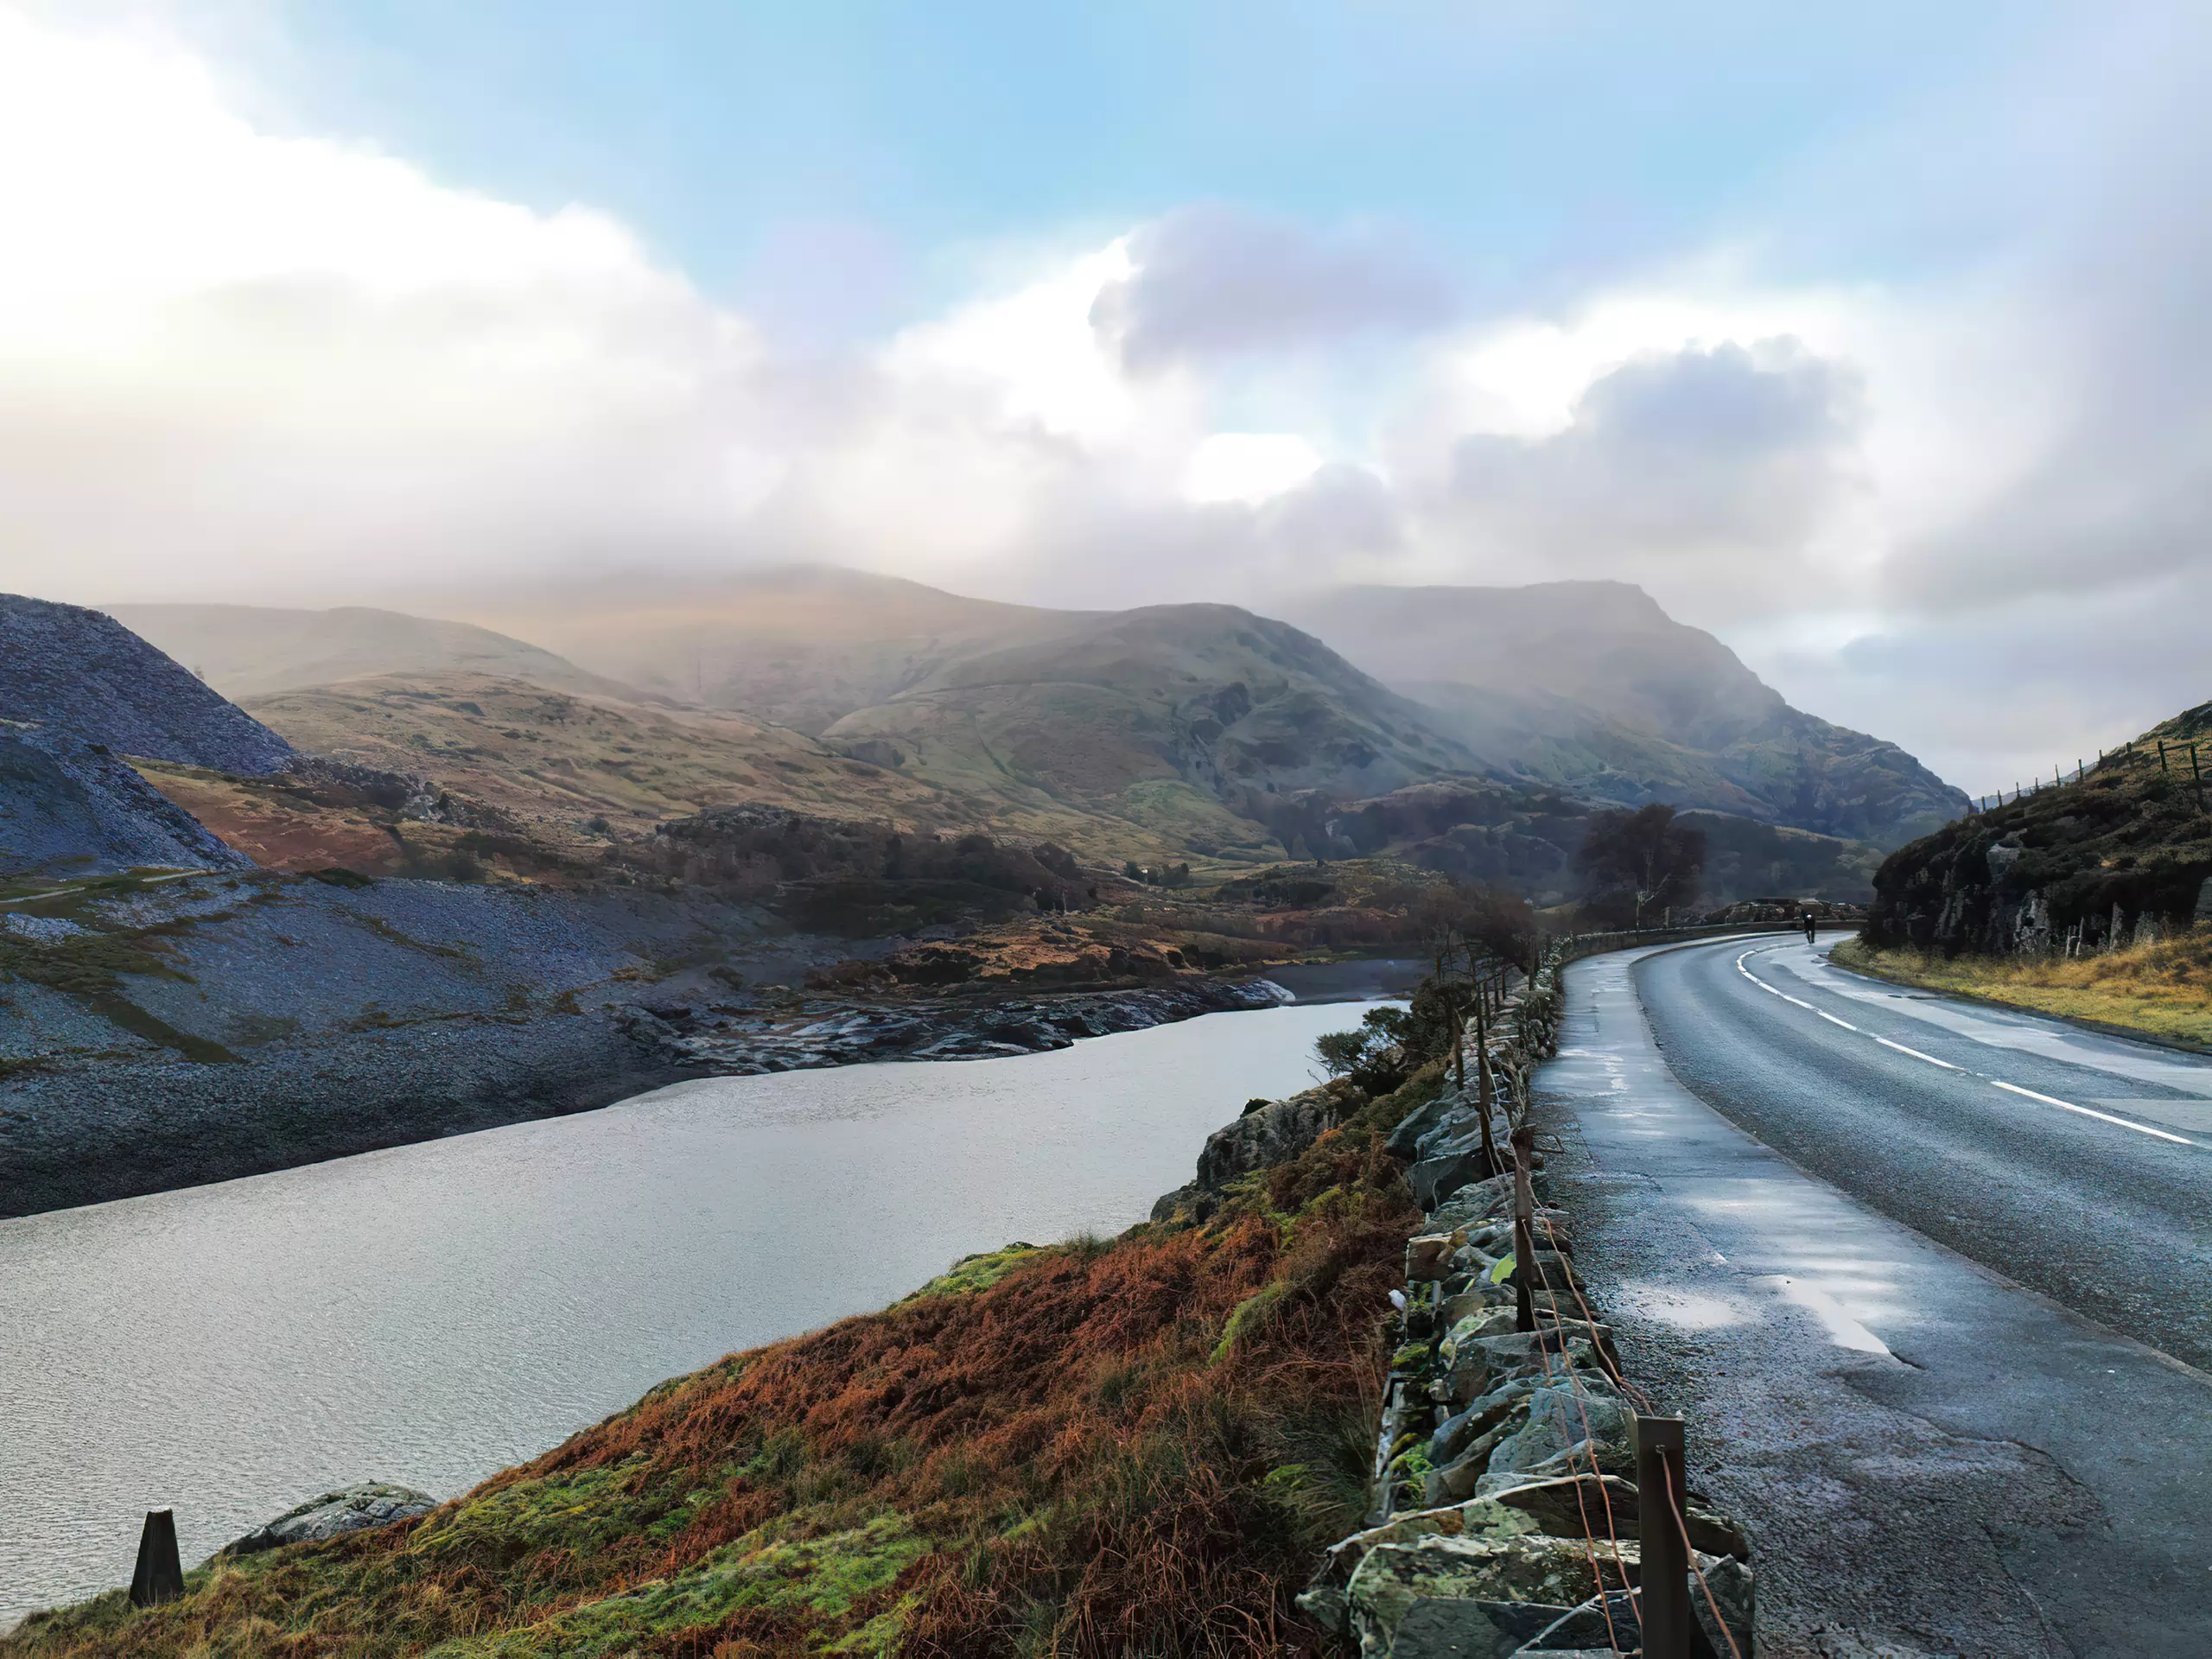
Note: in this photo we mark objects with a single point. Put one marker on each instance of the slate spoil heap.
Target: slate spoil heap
(1509, 1514)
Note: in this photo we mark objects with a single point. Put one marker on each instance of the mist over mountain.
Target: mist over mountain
(1591, 686)
(803, 645)
(252, 651)
(1587, 686)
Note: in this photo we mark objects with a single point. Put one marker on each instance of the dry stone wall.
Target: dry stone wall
(1508, 1511)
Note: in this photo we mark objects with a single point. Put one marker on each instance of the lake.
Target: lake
(431, 1313)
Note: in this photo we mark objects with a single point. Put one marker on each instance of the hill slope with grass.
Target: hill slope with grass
(1591, 686)
(254, 650)
(576, 773)
(2118, 858)
(800, 646)
(1185, 718)
(2087, 900)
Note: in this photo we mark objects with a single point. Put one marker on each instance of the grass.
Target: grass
(2162, 989)
(1121, 1445)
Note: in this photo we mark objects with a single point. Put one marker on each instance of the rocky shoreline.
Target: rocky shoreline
(738, 1042)
(168, 1034)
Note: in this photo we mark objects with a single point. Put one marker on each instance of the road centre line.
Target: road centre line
(1917, 1055)
(2103, 1117)
(2011, 1088)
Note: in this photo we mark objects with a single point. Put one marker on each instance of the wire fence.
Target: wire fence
(1659, 1606)
(2169, 756)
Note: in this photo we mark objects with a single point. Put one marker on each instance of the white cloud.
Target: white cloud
(237, 364)
(1249, 467)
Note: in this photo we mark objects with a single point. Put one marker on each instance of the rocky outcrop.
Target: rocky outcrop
(2118, 858)
(730, 1041)
(78, 692)
(1268, 1132)
(352, 1509)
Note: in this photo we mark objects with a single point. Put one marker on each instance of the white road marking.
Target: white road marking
(2011, 1088)
(1917, 1055)
(2103, 1118)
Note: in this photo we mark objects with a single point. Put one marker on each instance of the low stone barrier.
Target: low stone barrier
(1510, 1515)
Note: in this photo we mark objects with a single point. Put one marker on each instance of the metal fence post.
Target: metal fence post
(1666, 1559)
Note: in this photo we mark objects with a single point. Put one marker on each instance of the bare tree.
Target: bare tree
(1637, 860)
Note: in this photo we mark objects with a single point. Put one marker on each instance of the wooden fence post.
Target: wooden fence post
(1523, 1142)
(1666, 1559)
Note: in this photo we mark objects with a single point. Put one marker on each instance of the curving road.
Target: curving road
(1930, 1283)
(2078, 1164)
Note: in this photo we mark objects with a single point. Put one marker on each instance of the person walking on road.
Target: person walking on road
(1809, 927)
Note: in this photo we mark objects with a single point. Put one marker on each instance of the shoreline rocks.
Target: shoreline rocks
(351, 1508)
(739, 1043)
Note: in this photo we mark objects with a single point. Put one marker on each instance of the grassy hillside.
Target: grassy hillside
(1100, 1447)
(1169, 708)
(800, 646)
(256, 650)
(573, 775)
(1590, 686)
(2114, 860)
(2085, 899)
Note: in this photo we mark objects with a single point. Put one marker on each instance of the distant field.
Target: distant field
(2162, 989)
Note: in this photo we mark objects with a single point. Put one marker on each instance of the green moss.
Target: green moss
(1249, 1316)
(87, 964)
(826, 1576)
(973, 1272)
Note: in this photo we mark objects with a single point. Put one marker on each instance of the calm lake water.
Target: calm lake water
(433, 1312)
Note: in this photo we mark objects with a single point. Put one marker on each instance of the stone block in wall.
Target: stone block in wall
(1404, 1140)
(1428, 1257)
(1392, 1579)
(1433, 1178)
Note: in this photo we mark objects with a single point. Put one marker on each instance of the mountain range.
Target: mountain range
(1170, 716)
(1473, 729)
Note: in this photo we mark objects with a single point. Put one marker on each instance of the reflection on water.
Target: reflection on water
(431, 1313)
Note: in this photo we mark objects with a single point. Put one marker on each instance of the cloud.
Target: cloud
(1212, 281)
(229, 358)
(1731, 454)
(1249, 466)
(1959, 483)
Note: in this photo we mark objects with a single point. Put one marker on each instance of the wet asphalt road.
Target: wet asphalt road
(1936, 1341)
(2111, 1215)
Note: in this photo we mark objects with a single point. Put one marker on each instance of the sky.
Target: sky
(1871, 338)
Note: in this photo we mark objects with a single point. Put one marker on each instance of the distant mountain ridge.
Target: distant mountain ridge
(1200, 706)
(258, 651)
(1591, 686)
(802, 645)
(1206, 729)
(1586, 686)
